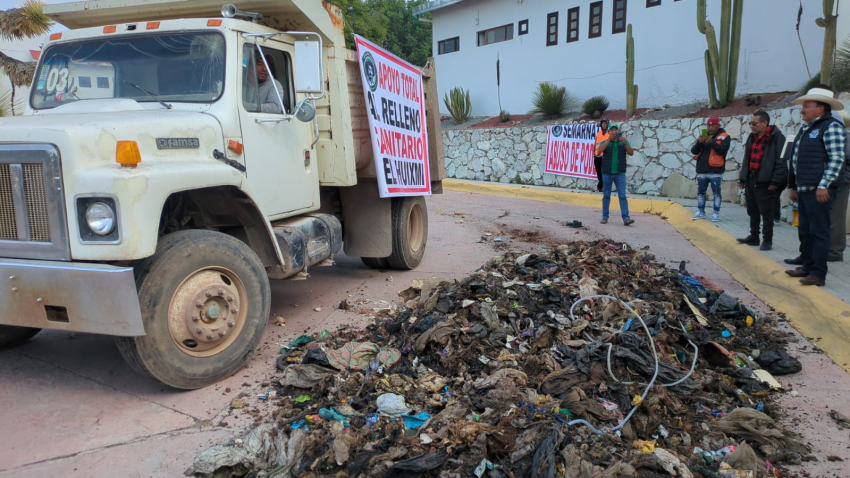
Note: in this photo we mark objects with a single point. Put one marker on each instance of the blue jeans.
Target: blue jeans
(609, 180)
(814, 231)
(702, 187)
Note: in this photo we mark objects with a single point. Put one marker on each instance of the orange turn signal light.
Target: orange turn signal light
(213, 23)
(153, 25)
(235, 146)
(56, 36)
(110, 29)
(127, 154)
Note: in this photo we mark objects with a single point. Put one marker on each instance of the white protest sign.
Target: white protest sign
(570, 149)
(396, 105)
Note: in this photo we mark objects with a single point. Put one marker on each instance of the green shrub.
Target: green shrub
(552, 100)
(457, 101)
(595, 106)
(841, 68)
(504, 116)
(810, 84)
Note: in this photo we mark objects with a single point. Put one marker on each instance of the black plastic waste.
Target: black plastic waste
(778, 362)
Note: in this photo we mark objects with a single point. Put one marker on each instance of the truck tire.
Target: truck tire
(11, 336)
(205, 301)
(410, 232)
(376, 262)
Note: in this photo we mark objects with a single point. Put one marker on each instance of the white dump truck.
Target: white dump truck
(154, 186)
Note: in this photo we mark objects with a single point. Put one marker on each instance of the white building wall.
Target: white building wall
(669, 51)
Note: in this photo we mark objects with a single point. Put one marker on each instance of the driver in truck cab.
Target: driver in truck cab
(264, 95)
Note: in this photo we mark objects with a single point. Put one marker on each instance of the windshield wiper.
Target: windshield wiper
(143, 90)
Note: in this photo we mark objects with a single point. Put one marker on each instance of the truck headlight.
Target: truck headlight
(100, 218)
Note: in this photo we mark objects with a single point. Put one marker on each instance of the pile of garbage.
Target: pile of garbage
(588, 360)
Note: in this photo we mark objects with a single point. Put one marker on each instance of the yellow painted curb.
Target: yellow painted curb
(815, 313)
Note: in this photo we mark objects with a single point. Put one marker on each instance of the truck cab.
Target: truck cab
(174, 156)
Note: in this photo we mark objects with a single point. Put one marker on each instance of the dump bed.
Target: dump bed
(344, 149)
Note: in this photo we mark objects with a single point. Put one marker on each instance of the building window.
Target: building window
(523, 27)
(652, 3)
(552, 29)
(84, 81)
(102, 82)
(496, 35)
(619, 25)
(572, 24)
(448, 46)
(595, 29)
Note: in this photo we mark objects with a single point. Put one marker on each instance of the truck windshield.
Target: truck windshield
(186, 67)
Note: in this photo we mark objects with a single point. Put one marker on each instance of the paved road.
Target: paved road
(70, 407)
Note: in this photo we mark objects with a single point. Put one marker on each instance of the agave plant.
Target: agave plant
(595, 106)
(458, 103)
(552, 100)
(28, 21)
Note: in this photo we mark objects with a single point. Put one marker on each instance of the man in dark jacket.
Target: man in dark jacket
(763, 172)
(710, 152)
(817, 164)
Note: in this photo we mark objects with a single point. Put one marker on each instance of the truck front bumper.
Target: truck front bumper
(70, 296)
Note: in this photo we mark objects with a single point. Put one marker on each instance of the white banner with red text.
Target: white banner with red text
(570, 149)
(396, 105)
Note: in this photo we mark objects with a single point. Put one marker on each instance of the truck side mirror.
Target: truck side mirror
(305, 111)
(308, 67)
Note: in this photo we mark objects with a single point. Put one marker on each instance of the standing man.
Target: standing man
(763, 172)
(816, 164)
(614, 151)
(601, 137)
(838, 215)
(710, 153)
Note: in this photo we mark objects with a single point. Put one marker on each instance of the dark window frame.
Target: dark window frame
(598, 22)
(551, 36)
(520, 25)
(441, 43)
(622, 29)
(483, 34)
(87, 81)
(570, 23)
(653, 3)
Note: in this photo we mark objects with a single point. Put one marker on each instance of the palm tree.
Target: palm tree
(28, 21)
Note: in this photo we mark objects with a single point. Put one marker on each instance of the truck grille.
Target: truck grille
(32, 210)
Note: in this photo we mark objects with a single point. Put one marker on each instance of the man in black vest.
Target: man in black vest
(763, 173)
(817, 164)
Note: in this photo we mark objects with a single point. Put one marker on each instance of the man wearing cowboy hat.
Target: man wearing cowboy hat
(601, 137)
(817, 162)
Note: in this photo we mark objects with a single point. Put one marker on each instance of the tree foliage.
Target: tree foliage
(390, 24)
(28, 21)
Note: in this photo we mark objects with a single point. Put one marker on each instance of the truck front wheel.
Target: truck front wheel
(205, 300)
(11, 336)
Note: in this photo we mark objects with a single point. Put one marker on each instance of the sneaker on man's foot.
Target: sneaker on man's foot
(628, 222)
(715, 217)
(699, 215)
(766, 245)
(777, 222)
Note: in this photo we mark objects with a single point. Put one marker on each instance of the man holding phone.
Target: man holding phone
(710, 153)
(614, 151)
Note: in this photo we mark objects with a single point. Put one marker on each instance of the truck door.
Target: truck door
(281, 174)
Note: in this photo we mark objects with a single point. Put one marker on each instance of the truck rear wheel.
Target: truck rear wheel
(11, 336)
(205, 300)
(410, 232)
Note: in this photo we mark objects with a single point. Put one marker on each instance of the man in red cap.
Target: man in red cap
(710, 153)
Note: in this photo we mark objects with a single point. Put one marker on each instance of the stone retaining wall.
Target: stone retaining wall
(662, 164)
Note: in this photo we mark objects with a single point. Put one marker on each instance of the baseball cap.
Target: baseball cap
(614, 126)
(714, 120)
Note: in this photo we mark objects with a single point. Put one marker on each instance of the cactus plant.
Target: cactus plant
(631, 87)
(721, 63)
(829, 23)
(458, 103)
